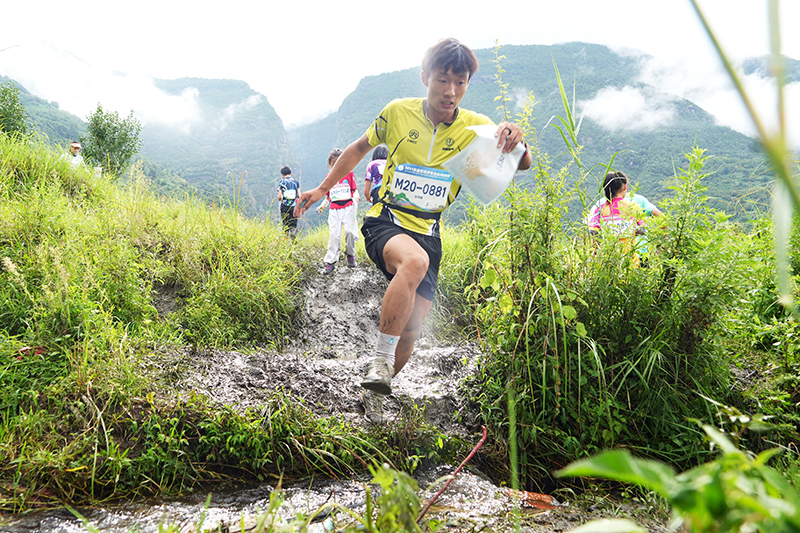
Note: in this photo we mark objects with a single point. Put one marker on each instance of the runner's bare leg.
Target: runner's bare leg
(405, 346)
(403, 310)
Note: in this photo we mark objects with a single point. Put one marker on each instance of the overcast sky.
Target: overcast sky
(306, 57)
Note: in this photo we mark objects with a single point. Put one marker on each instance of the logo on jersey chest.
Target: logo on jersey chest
(449, 143)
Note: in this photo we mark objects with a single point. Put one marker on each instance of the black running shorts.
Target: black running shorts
(377, 233)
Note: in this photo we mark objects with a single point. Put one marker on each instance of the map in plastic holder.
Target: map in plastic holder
(482, 168)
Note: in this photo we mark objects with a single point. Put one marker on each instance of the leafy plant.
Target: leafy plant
(398, 504)
(111, 142)
(738, 491)
(735, 492)
(594, 350)
(395, 509)
(13, 119)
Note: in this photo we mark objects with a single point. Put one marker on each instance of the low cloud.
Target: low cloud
(706, 84)
(79, 87)
(179, 111)
(629, 108)
(232, 110)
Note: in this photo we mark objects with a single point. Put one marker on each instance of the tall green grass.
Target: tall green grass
(738, 490)
(596, 351)
(86, 256)
(84, 265)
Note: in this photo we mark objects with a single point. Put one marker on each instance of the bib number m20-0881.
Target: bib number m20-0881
(422, 187)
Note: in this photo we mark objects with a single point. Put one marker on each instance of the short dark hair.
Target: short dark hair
(613, 183)
(380, 152)
(285, 171)
(450, 55)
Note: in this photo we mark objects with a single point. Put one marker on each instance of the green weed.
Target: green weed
(596, 350)
(735, 492)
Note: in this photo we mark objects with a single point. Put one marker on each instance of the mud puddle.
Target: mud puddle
(324, 363)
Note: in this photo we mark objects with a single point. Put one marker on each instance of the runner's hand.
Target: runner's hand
(508, 135)
(306, 200)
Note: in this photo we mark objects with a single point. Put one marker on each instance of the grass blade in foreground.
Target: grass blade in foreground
(775, 143)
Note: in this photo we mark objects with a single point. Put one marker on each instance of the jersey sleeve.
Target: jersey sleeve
(376, 133)
(645, 204)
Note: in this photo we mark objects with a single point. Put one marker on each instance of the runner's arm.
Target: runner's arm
(354, 153)
(368, 187)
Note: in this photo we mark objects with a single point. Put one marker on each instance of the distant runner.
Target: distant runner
(374, 177)
(343, 201)
(401, 231)
(613, 184)
(288, 191)
(73, 156)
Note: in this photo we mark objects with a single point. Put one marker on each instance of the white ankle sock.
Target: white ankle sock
(386, 347)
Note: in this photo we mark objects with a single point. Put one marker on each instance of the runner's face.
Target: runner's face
(445, 91)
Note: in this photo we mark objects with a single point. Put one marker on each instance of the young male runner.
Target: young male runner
(401, 231)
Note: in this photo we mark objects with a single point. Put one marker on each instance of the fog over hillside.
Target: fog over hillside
(78, 85)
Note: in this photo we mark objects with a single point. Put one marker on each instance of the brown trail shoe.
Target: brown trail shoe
(373, 407)
(379, 376)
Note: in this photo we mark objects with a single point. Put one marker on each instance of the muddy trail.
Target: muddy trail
(323, 364)
(322, 367)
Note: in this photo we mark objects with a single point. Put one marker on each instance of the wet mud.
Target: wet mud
(323, 364)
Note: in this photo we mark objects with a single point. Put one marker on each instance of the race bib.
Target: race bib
(290, 194)
(424, 188)
(340, 192)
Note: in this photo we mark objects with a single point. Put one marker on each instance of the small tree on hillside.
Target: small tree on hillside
(13, 118)
(111, 142)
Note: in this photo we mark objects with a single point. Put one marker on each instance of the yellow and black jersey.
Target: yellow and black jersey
(416, 189)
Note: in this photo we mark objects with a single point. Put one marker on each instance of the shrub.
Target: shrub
(597, 351)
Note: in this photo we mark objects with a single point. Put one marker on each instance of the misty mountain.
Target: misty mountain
(234, 143)
(234, 146)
